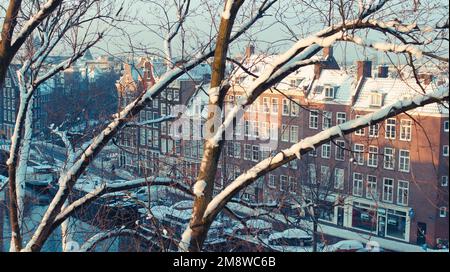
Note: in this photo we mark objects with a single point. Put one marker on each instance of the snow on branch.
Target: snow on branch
(154, 121)
(371, 7)
(90, 244)
(29, 26)
(308, 144)
(105, 189)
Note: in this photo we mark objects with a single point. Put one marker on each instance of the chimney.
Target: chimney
(426, 78)
(249, 51)
(383, 71)
(328, 52)
(364, 69)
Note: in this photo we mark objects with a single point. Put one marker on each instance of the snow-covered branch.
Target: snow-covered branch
(311, 143)
(90, 244)
(105, 189)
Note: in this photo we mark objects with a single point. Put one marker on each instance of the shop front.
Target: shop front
(387, 222)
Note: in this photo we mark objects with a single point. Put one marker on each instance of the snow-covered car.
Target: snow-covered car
(345, 246)
(291, 240)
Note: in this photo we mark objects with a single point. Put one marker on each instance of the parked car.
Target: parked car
(345, 246)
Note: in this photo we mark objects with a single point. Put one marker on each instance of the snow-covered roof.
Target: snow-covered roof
(258, 224)
(290, 234)
(342, 82)
(394, 89)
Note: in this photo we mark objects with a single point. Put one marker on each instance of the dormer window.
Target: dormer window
(293, 83)
(376, 99)
(329, 92)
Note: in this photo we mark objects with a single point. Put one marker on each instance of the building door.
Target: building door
(421, 233)
(340, 216)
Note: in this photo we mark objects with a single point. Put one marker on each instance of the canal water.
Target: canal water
(35, 208)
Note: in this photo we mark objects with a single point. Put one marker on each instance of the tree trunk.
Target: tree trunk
(198, 228)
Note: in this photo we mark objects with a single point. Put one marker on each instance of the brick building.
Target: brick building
(391, 178)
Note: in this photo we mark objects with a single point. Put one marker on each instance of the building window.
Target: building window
(446, 126)
(293, 164)
(294, 134)
(324, 175)
(444, 181)
(255, 153)
(329, 92)
(312, 173)
(7, 82)
(326, 151)
(374, 131)
(443, 212)
(371, 192)
(390, 128)
(314, 119)
(445, 150)
(284, 133)
(376, 99)
(285, 107)
(403, 193)
(373, 157)
(388, 190)
(357, 184)
(275, 105)
(405, 130)
(247, 152)
(266, 106)
(272, 181)
(389, 155)
(237, 150)
(292, 185)
(404, 161)
(340, 150)
(295, 108)
(358, 153)
(327, 120)
(362, 131)
(341, 117)
(284, 183)
(247, 128)
(339, 178)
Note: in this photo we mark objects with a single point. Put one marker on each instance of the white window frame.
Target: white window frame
(340, 147)
(285, 106)
(360, 132)
(392, 158)
(358, 153)
(374, 131)
(445, 150)
(405, 130)
(404, 162)
(358, 185)
(275, 106)
(372, 187)
(285, 133)
(293, 131)
(314, 119)
(401, 189)
(444, 181)
(326, 151)
(256, 151)
(372, 156)
(327, 120)
(446, 126)
(341, 118)
(389, 133)
(272, 181)
(339, 175)
(329, 92)
(391, 190)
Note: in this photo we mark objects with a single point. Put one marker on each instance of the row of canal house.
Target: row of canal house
(389, 180)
